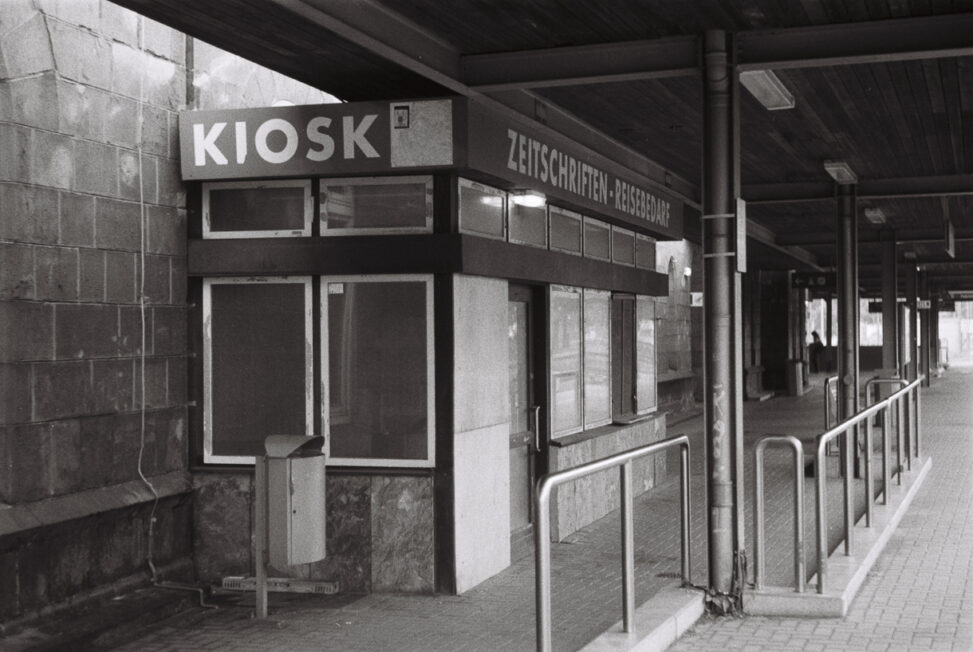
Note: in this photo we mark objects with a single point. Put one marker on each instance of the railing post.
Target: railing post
(869, 490)
(684, 500)
(758, 516)
(542, 574)
(918, 415)
(899, 438)
(849, 498)
(628, 549)
(886, 453)
(819, 485)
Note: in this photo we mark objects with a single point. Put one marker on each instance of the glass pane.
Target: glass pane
(623, 246)
(366, 205)
(256, 209)
(645, 354)
(565, 232)
(597, 358)
(480, 210)
(644, 252)
(528, 225)
(519, 366)
(258, 365)
(597, 240)
(565, 360)
(377, 369)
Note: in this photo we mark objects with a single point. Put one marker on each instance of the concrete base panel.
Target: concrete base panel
(658, 623)
(846, 573)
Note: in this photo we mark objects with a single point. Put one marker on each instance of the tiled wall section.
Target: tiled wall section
(583, 501)
(379, 532)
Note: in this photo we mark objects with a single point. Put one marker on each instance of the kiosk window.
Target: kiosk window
(644, 252)
(597, 358)
(565, 231)
(623, 246)
(528, 224)
(379, 380)
(257, 364)
(377, 205)
(481, 209)
(566, 360)
(268, 209)
(597, 239)
(645, 370)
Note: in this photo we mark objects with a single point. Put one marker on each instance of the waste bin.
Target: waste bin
(295, 499)
(795, 377)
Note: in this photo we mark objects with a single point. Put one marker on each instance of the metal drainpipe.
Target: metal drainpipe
(718, 311)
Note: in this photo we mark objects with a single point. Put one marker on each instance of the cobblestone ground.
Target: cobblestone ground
(919, 594)
(499, 614)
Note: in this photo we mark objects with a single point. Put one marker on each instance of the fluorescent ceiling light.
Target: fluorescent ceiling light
(768, 89)
(840, 172)
(875, 215)
(528, 198)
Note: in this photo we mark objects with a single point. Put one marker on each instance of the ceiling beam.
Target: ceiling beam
(585, 64)
(869, 236)
(381, 31)
(945, 185)
(897, 39)
(766, 237)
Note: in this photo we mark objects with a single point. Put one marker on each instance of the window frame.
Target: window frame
(324, 360)
(550, 360)
(305, 184)
(374, 181)
(596, 224)
(629, 233)
(208, 456)
(571, 215)
(547, 227)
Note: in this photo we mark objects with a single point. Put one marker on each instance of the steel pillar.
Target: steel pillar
(912, 302)
(721, 368)
(847, 276)
(890, 284)
(934, 360)
(926, 334)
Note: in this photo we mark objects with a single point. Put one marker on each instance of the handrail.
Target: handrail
(822, 440)
(758, 507)
(828, 382)
(542, 536)
(900, 439)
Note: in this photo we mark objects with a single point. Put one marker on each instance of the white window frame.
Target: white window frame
(550, 357)
(571, 215)
(376, 181)
(476, 185)
(305, 184)
(208, 456)
(430, 460)
(584, 238)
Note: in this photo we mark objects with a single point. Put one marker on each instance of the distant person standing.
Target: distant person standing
(815, 349)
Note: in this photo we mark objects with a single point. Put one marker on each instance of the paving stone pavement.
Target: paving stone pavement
(499, 613)
(919, 594)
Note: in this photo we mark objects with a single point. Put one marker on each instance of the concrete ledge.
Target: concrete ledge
(845, 574)
(658, 622)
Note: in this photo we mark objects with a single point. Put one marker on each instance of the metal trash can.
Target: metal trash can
(296, 523)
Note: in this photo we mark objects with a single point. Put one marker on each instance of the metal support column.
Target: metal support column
(720, 364)
(925, 335)
(890, 284)
(912, 303)
(934, 360)
(847, 257)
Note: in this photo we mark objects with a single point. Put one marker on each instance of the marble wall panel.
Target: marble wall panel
(403, 552)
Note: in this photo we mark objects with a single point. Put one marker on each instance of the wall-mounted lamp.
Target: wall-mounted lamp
(840, 172)
(875, 215)
(687, 272)
(768, 89)
(528, 198)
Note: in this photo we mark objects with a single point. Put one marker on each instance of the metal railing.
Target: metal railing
(542, 536)
(820, 472)
(830, 394)
(758, 509)
(902, 434)
(908, 392)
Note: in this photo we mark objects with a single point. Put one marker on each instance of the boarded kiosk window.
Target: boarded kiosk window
(380, 370)
(623, 246)
(597, 358)
(481, 210)
(597, 240)
(265, 209)
(566, 360)
(565, 231)
(257, 364)
(528, 224)
(646, 396)
(376, 205)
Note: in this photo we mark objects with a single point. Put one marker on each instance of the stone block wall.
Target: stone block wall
(92, 298)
